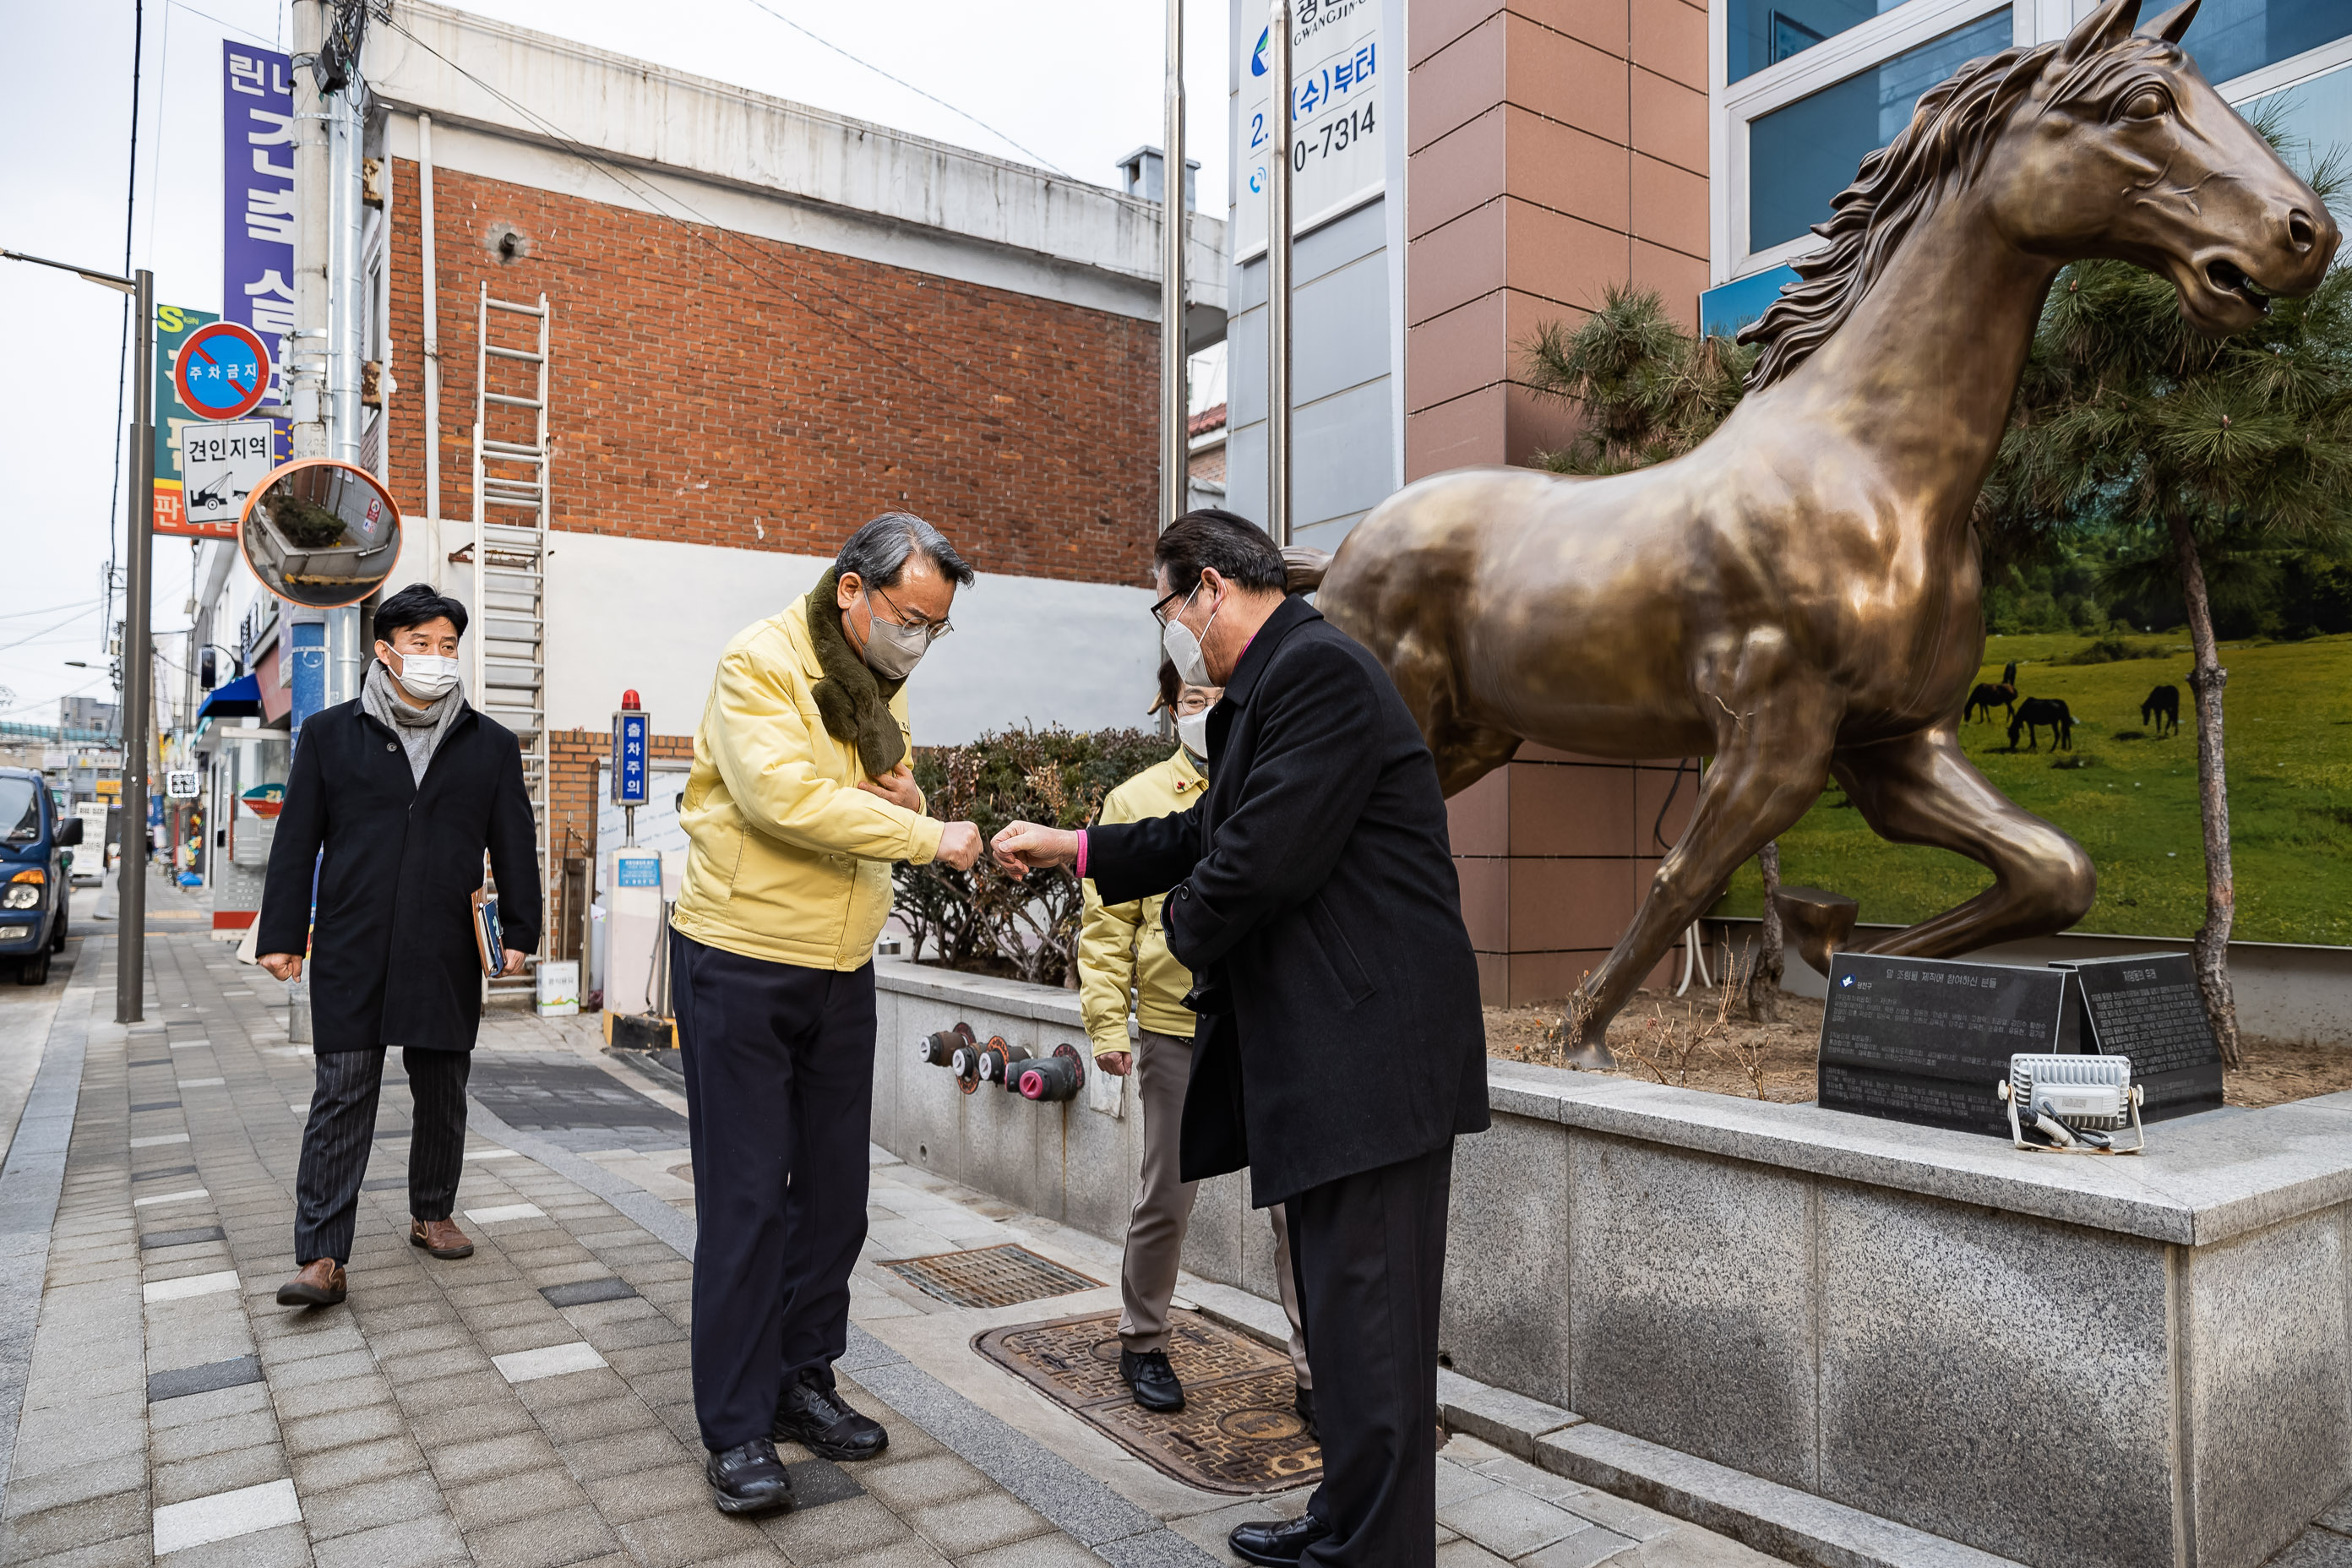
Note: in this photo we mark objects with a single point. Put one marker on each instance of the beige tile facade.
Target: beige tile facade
(1556, 146)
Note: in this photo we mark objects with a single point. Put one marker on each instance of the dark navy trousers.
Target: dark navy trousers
(341, 1129)
(780, 1092)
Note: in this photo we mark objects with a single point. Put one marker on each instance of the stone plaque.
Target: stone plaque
(2146, 1006)
(1928, 1040)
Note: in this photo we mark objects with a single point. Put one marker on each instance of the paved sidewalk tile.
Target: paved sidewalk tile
(531, 1406)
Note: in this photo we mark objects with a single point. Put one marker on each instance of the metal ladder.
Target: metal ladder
(509, 550)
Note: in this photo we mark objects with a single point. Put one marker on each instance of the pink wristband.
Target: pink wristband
(1082, 854)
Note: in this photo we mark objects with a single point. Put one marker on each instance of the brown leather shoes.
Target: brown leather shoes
(318, 1283)
(441, 1237)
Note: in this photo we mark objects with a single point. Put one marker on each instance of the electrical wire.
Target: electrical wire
(911, 87)
(652, 195)
(45, 610)
(122, 358)
(232, 26)
(44, 631)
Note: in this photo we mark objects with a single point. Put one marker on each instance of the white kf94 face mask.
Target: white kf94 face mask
(426, 676)
(1192, 729)
(1183, 648)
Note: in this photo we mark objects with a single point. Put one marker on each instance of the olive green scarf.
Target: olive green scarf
(854, 701)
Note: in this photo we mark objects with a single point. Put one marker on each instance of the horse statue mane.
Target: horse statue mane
(1947, 138)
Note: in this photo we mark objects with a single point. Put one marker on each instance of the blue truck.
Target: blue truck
(34, 888)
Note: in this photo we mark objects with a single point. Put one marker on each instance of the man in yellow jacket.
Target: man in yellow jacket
(1123, 951)
(802, 795)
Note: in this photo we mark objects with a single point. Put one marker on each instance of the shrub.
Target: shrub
(2114, 650)
(984, 918)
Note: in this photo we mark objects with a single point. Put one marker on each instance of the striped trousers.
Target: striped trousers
(336, 1141)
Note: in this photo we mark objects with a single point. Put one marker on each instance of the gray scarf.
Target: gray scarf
(420, 729)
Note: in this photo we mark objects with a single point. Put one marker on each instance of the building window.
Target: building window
(2230, 37)
(1766, 32)
(1801, 157)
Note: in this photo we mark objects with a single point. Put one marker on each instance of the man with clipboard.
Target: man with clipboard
(395, 799)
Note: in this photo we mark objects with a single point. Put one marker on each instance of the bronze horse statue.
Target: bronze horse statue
(1800, 594)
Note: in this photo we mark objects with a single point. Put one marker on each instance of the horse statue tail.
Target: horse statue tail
(1307, 567)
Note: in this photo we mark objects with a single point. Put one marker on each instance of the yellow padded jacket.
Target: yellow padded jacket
(787, 860)
(1123, 948)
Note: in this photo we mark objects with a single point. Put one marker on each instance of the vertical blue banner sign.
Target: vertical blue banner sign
(631, 782)
(257, 204)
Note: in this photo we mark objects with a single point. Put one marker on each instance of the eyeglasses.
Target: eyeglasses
(1160, 606)
(932, 630)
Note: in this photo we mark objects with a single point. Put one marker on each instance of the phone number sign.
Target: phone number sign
(1338, 157)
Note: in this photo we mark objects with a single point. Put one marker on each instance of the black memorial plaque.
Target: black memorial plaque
(1928, 1040)
(2146, 1006)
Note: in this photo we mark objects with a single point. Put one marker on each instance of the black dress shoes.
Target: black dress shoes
(1154, 1380)
(749, 1478)
(1305, 1405)
(814, 1414)
(1278, 1542)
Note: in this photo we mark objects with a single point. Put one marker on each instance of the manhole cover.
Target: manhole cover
(990, 1277)
(1238, 1431)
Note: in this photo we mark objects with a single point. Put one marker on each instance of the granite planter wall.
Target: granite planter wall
(2068, 1363)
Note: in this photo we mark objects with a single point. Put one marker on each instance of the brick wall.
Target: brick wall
(574, 757)
(722, 389)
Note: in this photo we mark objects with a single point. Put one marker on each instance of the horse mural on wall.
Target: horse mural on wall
(1800, 595)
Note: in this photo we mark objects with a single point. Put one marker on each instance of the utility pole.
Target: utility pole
(346, 312)
(1277, 275)
(1175, 406)
(137, 675)
(306, 365)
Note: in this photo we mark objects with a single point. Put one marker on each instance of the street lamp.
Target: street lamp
(131, 883)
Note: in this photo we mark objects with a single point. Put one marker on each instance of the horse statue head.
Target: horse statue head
(2109, 143)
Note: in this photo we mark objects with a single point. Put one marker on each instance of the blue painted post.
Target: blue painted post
(307, 640)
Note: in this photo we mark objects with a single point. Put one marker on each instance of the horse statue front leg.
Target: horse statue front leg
(1772, 757)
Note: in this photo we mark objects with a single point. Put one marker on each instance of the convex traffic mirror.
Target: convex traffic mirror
(320, 533)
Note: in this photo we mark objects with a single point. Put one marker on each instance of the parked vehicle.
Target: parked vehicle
(36, 892)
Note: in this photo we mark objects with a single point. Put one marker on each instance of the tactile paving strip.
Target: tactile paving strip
(1238, 1431)
(989, 1277)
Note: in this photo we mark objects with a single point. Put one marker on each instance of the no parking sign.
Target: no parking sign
(222, 371)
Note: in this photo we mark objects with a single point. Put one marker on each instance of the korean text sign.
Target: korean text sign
(631, 781)
(1337, 158)
(257, 197)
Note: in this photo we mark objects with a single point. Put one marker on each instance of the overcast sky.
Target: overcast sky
(1075, 82)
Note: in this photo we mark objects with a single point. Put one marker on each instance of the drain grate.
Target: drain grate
(989, 1277)
(1238, 1431)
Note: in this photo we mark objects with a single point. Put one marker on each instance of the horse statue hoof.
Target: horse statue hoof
(1821, 921)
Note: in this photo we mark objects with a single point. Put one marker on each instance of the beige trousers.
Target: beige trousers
(1163, 1207)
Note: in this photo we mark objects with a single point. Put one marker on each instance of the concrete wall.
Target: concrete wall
(811, 176)
(2067, 1362)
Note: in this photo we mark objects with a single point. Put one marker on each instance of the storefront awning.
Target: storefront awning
(240, 699)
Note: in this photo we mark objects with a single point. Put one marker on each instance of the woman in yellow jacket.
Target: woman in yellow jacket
(1122, 955)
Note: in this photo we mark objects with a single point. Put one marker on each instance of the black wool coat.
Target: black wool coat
(1312, 893)
(393, 956)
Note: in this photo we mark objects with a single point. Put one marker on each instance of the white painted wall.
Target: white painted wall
(656, 613)
(763, 165)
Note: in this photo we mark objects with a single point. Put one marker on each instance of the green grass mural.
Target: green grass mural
(2130, 799)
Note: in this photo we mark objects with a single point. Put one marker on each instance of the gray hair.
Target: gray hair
(878, 551)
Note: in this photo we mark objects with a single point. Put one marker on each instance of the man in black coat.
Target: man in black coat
(1312, 893)
(393, 799)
